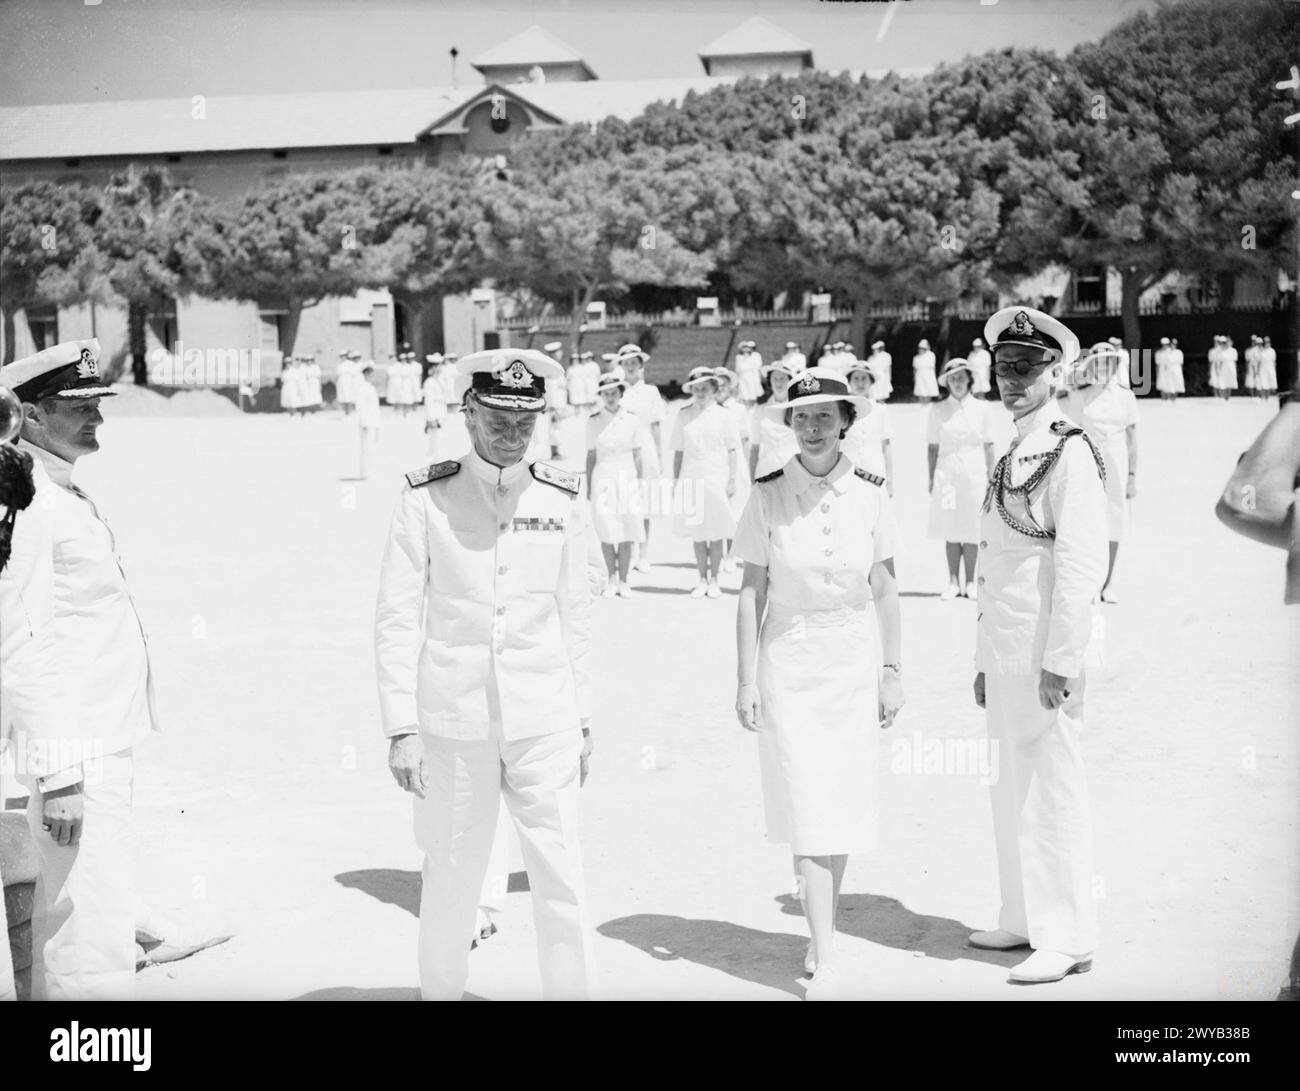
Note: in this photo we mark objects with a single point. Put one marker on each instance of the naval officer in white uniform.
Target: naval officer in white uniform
(78, 691)
(482, 647)
(1042, 562)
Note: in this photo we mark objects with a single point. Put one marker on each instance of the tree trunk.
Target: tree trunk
(1130, 293)
(9, 337)
(289, 330)
(136, 314)
(858, 327)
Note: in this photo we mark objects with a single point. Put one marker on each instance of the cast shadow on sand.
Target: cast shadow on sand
(402, 888)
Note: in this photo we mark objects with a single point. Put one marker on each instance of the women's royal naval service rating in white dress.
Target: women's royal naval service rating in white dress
(617, 511)
(981, 368)
(959, 427)
(818, 655)
(924, 381)
(708, 441)
(1223, 366)
(749, 373)
(1106, 411)
(1169, 369)
(1042, 562)
(482, 647)
(882, 367)
(867, 437)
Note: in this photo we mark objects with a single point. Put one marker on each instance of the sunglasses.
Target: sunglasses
(1021, 368)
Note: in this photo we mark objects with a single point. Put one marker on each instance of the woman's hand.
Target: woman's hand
(731, 486)
(891, 698)
(749, 709)
(1132, 489)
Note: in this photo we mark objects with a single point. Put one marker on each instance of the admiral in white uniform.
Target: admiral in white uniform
(482, 647)
(78, 692)
(1042, 562)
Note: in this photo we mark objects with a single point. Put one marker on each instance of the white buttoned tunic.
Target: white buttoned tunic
(865, 443)
(818, 654)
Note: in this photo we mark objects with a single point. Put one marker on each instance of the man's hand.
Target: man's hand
(406, 763)
(749, 709)
(891, 698)
(979, 689)
(1051, 690)
(62, 811)
(731, 486)
(584, 759)
(1131, 490)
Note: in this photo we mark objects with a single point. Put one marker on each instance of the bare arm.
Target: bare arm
(931, 461)
(591, 465)
(1259, 499)
(887, 449)
(677, 465)
(1131, 442)
(749, 612)
(884, 590)
(989, 460)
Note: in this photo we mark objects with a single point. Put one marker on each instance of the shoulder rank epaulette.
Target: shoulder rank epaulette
(875, 479)
(1064, 428)
(438, 470)
(769, 477)
(553, 475)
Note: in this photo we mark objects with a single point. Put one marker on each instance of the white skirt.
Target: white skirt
(750, 386)
(924, 384)
(1114, 452)
(617, 512)
(960, 481)
(1223, 376)
(701, 507)
(1169, 379)
(819, 743)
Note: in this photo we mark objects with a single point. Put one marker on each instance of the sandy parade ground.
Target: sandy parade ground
(253, 554)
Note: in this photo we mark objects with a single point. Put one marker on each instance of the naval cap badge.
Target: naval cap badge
(809, 385)
(87, 366)
(517, 375)
(1020, 325)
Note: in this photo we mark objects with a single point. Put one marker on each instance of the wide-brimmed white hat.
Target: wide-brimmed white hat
(553, 346)
(611, 379)
(816, 386)
(725, 373)
(957, 363)
(631, 352)
(792, 370)
(699, 375)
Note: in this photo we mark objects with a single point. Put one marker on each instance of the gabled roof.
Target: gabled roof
(230, 123)
(755, 36)
(532, 46)
(453, 121)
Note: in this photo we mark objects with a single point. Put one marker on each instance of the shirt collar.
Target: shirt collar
(1041, 417)
(496, 475)
(58, 469)
(802, 480)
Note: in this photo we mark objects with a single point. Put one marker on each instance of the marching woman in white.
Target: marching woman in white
(435, 408)
(1250, 354)
(924, 384)
(959, 450)
(1223, 367)
(749, 374)
(311, 384)
(290, 387)
(345, 382)
(981, 368)
(1109, 414)
(772, 444)
(869, 443)
(882, 367)
(706, 457)
(814, 679)
(1169, 371)
(643, 399)
(740, 415)
(615, 438)
(1267, 368)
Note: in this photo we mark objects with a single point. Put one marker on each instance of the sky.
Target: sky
(95, 50)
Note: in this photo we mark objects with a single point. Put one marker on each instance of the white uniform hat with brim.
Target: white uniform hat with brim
(610, 380)
(817, 386)
(631, 352)
(699, 375)
(725, 373)
(777, 365)
(553, 346)
(957, 363)
(856, 365)
(434, 358)
(923, 344)
(877, 345)
(65, 371)
(512, 380)
(1033, 328)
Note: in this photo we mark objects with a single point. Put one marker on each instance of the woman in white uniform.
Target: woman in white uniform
(706, 463)
(749, 374)
(1109, 414)
(1169, 371)
(869, 443)
(1267, 368)
(643, 398)
(615, 438)
(772, 444)
(740, 414)
(1223, 368)
(814, 679)
(959, 450)
(924, 385)
(291, 392)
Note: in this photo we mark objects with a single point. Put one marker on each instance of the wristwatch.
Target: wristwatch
(897, 668)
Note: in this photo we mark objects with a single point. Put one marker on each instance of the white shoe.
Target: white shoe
(825, 984)
(698, 591)
(951, 593)
(609, 592)
(971, 592)
(810, 959)
(728, 565)
(1107, 595)
(997, 940)
(624, 591)
(1044, 966)
(713, 591)
(642, 565)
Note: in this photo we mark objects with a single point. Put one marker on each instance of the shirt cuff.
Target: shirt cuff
(399, 732)
(1067, 666)
(62, 779)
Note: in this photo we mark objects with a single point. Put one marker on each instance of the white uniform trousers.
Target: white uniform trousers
(83, 916)
(497, 881)
(1041, 818)
(454, 826)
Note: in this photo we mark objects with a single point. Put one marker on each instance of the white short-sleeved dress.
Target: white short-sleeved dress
(818, 654)
(981, 369)
(865, 442)
(1105, 412)
(646, 402)
(1267, 367)
(1223, 368)
(959, 427)
(291, 391)
(617, 512)
(1169, 371)
(706, 437)
(740, 417)
(749, 376)
(924, 383)
(773, 438)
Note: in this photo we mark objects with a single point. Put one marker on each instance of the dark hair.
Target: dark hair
(848, 414)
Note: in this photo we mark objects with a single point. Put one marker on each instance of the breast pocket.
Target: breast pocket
(459, 560)
(540, 553)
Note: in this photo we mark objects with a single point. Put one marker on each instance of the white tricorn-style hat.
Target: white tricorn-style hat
(817, 386)
(699, 375)
(957, 363)
(1034, 328)
(792, 344)
(513, 380)
(1164, 340)
(67, 370)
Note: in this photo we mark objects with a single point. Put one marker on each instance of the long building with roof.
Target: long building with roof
(227, 145)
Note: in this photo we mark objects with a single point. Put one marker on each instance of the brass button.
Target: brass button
(828, 552)
(984, 545)
(826, 530)
(500, 610)
(980, 581)
(501, 571)
(826, 507)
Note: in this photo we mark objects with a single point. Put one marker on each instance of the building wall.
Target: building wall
(758, 64)
(518, 73)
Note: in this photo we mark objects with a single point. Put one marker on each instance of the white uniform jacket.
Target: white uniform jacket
(484, 611)
(1038, 596)
(73, 652)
